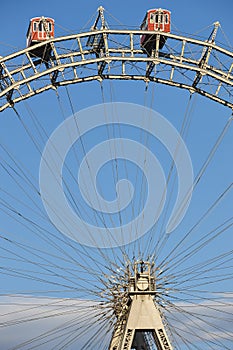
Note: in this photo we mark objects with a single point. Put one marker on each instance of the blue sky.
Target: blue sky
(190, 17)
(31, 252)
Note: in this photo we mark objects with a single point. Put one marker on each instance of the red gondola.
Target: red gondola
(40, 29)
(159, 20)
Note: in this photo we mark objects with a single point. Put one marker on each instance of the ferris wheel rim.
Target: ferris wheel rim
(23, 76)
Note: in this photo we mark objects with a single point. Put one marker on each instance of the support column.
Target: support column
(140, 326)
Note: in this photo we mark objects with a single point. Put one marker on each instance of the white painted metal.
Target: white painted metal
(22, 75)
(140, 314)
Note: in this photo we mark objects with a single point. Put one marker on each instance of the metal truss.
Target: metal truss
(139, 322)
(199, 66)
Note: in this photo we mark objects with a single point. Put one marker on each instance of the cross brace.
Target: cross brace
(139, 324)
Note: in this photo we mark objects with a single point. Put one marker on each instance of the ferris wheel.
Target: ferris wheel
(101, 248)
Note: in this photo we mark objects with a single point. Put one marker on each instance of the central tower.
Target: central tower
(139, 323)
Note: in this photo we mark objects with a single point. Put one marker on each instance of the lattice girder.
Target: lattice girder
(22, 75)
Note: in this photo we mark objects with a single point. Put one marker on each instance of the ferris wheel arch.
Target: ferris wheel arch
(73, 59)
